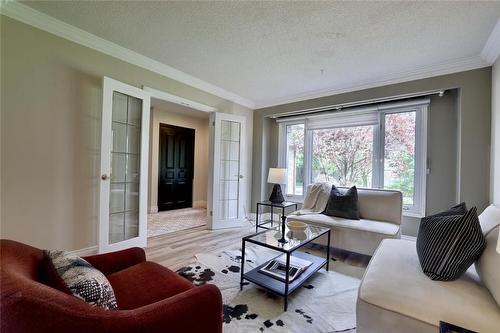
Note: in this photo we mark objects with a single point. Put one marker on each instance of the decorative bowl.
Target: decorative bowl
(296, 226)
(299, 235)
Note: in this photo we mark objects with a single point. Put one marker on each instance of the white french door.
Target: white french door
(124, 166)
(228, 146)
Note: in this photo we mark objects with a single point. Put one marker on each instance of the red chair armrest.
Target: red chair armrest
(109, 263)
(45, 310)
(195, 310)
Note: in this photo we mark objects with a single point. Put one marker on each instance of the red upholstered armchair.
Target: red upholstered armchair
(151, 297)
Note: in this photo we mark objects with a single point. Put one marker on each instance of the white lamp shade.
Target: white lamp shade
(276, 176)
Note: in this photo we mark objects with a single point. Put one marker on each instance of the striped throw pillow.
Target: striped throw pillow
(448, 245)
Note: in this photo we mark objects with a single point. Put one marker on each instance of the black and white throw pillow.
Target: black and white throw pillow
(459, 209)
(343, 205)
(83, 280)
(448, 244)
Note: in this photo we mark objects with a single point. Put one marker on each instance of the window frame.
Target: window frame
(420, 107)
(421, 170)
(283, 158)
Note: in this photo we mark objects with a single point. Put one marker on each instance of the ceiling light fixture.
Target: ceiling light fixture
(441, 93)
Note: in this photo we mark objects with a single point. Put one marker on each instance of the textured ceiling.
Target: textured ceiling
(274, 51)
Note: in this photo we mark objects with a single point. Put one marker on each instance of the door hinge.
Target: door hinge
(211, 213)
(213, 123)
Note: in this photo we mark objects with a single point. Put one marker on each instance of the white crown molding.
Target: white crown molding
(28, 15)
(491, 49)
(459, 65)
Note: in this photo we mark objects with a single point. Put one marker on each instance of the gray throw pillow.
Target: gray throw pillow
(83, 280)
(343, 205)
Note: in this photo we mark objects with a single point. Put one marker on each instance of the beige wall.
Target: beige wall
(458, 142)
(495, 134)
(200, 179)
(50, 133)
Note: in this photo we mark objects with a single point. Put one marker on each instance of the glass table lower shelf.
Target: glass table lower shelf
(268, 239)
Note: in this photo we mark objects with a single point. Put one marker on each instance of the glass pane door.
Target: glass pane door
(124, 166)
(229, 169)
(125, 169)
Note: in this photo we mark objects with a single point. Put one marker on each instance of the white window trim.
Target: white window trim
(282, 157)
(418, 209)
(421, 106)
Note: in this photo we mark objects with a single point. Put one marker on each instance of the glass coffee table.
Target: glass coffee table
(269, 239)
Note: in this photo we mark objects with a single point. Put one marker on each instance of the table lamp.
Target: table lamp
(277, 176)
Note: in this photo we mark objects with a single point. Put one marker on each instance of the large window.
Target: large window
(380, 147)
(399, 154)
(295, 159)
(343, 156)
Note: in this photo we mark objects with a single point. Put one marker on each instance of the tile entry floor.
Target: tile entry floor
(175, 220)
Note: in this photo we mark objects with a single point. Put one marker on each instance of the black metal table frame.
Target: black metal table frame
(288, 254)
(272, 205)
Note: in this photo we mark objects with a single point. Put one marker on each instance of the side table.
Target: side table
(283, 205)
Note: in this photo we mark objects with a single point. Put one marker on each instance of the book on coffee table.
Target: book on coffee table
(276, 267)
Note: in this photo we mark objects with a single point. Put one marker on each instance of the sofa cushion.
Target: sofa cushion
(448, 245)
(394, 282)
(489, 218)
(379, 227)
(82, 279)
(488, 266)
(343, 204)
(146, 283)
(380, 205)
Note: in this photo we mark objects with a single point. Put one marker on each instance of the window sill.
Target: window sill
(412, 214)
(294, 198)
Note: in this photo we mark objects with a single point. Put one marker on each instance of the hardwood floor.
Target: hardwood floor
(177, 249)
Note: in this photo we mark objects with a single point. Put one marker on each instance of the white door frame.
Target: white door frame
(165, 96)
(214, 171)
(109, 86)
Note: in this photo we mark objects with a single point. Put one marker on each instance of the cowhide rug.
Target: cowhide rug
(325, 303)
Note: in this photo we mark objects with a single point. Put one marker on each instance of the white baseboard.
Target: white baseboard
(199, 204)
(88, 251)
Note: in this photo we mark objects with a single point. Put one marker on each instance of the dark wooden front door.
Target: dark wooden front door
(175, 181)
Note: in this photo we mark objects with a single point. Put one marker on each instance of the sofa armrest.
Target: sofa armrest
(109, 263)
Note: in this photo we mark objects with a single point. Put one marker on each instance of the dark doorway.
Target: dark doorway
(175, 174)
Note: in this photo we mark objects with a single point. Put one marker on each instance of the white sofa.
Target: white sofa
(380, 218)
(395, 296)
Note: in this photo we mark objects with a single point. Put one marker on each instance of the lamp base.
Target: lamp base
(276, 195)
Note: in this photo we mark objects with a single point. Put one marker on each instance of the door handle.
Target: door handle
(241, 176)
(104, 177)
